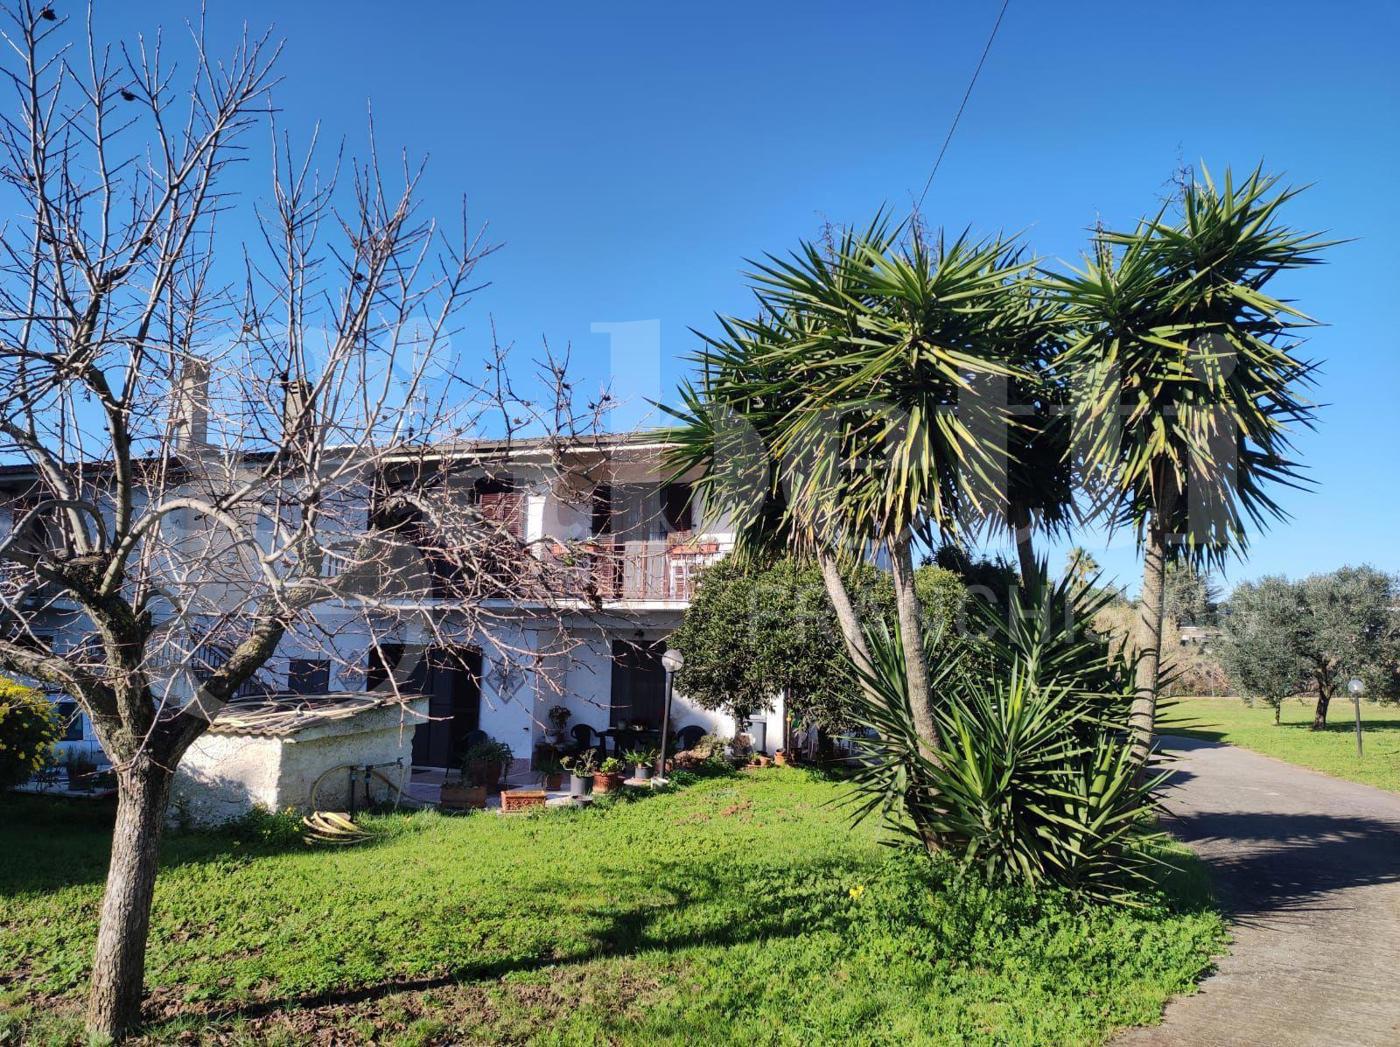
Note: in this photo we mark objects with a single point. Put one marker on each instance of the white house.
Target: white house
(624, 544)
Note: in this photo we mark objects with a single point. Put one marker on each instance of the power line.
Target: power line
(963, 105)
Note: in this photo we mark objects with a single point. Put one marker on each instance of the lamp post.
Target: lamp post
(671, 661)
(1356, 688)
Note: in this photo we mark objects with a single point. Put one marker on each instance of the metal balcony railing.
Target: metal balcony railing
(661, 570)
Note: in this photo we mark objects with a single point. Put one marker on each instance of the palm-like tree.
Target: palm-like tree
(1081, 567)
(1038, 482)
(850, 415)
(1185, 384)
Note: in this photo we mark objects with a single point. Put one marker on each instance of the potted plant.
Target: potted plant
(485, 762)
(608, 776)
(641, 761)
(558, 718)
(551, 773)
(581, 770)
(780, 758)
(461, 795)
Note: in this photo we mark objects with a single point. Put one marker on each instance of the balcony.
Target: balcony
(601, 569)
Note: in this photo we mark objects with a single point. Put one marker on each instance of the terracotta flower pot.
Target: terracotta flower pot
(606, 783)
(780, 758)
(462, 797)
(554, 782)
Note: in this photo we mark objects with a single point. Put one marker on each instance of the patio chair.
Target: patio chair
(583, 735)
(687, 737)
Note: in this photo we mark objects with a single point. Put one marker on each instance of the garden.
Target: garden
(739, 906)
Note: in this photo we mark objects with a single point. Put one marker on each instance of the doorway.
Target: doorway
(638, 684)
(450, 678)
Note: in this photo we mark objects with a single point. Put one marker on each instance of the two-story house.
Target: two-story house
(621, 545)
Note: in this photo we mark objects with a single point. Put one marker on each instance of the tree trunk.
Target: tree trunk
(1278, 713)
(118, 968)
(845, 612)
(1020, 519)
(1142, 720)
(1324, 699)
(911, 638)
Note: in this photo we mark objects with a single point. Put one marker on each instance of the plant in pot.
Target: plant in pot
(551, 772)
(609, 775)
(558, 718)
(485, 762)
(641, 761)
(582, 769)
(461, 795)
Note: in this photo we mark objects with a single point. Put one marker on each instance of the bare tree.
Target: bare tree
(226, 447)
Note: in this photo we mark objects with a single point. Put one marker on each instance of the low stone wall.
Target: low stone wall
(225, 775)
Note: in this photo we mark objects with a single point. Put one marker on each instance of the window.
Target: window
(601, 523)
(308, 675)
(676, 506)
(72, 720)
(500, 502)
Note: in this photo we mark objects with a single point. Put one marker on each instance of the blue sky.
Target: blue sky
(629, 156)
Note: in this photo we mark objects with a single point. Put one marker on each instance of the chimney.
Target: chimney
(297, 416)
(192, 405)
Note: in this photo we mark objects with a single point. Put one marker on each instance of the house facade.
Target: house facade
(621, 543)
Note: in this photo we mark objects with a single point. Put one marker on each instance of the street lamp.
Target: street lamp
(671, 661)
(1356, 687)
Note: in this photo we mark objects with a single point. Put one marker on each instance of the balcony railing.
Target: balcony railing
(602, 569)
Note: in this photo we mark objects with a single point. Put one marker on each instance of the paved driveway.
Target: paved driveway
(1309, 869)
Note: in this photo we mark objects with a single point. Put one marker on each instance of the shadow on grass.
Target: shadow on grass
(77, 842)
(633, 922)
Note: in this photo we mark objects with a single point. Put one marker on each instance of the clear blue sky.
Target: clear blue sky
(630, 155)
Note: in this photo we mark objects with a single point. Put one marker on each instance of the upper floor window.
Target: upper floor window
(677, 506)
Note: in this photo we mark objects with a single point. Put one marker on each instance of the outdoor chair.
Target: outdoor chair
(583, 734)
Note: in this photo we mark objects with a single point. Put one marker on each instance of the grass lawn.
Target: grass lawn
(1332, 751)
(742, 908)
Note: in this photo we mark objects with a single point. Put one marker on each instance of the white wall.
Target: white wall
(223, 776)
(582, 683)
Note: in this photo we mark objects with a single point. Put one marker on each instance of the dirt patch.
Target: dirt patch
(505, 1010)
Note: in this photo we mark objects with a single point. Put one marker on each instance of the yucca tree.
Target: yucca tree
(1034, 782)
(1038, 483)
(1186, 384)
(850, 414)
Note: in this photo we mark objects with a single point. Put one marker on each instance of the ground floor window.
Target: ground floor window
(308, 675)
(72, 719)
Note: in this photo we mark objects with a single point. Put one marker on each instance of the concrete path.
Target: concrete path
(1308, 868)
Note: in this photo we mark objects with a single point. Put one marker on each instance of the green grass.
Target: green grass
(743, 908)
(1332, 751)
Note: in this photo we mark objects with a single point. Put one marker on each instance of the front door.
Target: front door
(638, 684)
(450, 678)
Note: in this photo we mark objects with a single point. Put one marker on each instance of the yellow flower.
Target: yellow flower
(856, 891)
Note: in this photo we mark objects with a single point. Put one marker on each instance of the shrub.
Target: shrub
(484, 761)
(1033, 782)
(29, 727)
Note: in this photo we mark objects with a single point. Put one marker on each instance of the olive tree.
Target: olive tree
(1261, 643)
(1349, 627)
